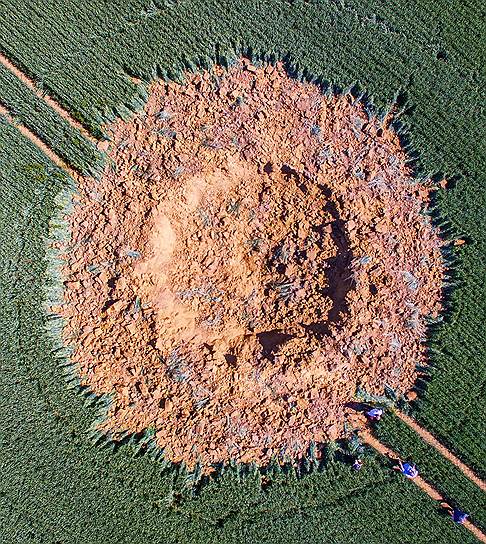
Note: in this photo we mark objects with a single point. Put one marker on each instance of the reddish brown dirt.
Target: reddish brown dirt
(254, 252)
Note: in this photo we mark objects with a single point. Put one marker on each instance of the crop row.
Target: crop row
(453, 485)
(27, 108)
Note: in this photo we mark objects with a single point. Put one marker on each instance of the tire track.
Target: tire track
(39, 143)
(419, 481)
(47, 99)
(432, 441)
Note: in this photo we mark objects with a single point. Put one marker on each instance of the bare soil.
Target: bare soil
(254, 252)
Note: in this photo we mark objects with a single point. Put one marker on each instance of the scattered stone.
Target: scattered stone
(268, 279)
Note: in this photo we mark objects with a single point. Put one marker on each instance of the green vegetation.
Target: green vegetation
(60, 488)
(451, 483)
(429, 55)
(426, 55)
(453, 407)
(43, 121)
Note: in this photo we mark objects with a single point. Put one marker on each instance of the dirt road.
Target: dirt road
(430, 439)
(431, 491)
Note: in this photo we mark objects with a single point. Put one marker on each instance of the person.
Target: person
(409, 470)
(458, 516)
(374, 414)
(357, 464)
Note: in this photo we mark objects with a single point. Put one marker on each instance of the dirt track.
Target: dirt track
(430, 439)
(40, 144)
(46, 98)
(420, 482)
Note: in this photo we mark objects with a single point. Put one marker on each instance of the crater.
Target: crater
(254, 252)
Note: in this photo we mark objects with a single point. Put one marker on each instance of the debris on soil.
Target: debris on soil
(254, 252)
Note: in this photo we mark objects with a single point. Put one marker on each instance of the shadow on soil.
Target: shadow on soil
(339, 273)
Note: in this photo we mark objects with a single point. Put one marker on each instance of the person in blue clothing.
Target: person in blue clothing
(409, 470)
(374, 414)
(458, 516)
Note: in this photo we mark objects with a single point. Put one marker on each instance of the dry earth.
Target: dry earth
(254, 252)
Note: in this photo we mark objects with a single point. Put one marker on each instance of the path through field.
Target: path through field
(420, 482)
(47, 99)
(430, 439)
(39, 143)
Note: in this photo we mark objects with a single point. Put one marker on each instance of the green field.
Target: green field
(454, 486)
(57, 133)
(56, 486)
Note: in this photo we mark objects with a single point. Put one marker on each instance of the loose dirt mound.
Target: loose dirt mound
(254, 252)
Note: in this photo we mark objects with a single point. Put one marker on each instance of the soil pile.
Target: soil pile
(253, 253)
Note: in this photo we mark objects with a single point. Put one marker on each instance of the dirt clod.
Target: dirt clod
(254, 252)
